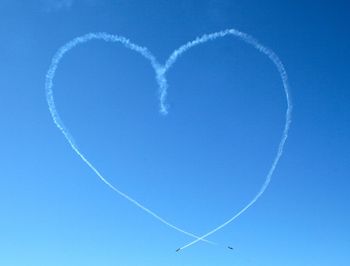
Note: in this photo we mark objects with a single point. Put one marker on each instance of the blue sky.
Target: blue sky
(198, 165)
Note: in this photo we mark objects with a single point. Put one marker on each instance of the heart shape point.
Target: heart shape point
(160, 75)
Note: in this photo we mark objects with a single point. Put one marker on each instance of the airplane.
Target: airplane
(230, 247)
(178, 249)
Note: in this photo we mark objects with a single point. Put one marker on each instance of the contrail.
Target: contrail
(288, 116)
(160, 71)
(57, 120)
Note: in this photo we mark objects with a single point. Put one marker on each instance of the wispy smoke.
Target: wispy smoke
(288, 116)
(160, 75)
(59, 123)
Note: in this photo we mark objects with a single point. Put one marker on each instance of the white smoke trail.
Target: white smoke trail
(277, 62)
(160, 71)
(54, 113)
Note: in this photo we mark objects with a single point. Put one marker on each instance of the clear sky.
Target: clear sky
(196, 166)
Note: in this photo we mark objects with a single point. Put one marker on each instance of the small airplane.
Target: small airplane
(230, 247)
(178, 250)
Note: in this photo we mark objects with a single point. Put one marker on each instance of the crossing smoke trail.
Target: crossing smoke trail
(160, 71)
(59, 123)
(283, 74)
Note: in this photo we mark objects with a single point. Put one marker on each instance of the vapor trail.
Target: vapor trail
(288, 116)
(59, 123)
(160, 71)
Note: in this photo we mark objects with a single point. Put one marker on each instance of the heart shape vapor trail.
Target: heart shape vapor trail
(160, 75)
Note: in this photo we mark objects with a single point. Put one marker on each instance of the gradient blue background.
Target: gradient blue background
(197, 166)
